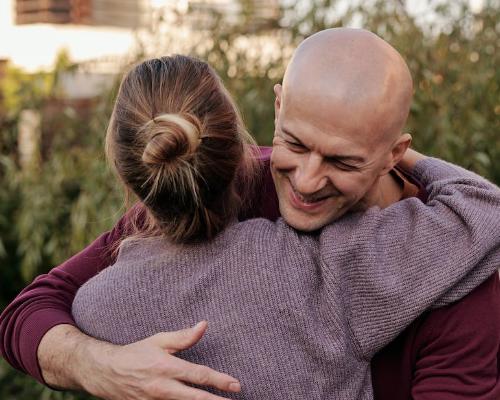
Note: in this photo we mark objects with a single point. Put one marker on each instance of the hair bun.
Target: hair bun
(170, 136)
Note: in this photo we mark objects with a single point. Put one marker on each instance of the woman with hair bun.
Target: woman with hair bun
(292, 315)
(178, 142)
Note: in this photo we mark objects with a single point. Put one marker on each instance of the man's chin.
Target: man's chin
(308, 223)
(303, 223)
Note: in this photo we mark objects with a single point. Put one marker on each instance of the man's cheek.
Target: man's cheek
(281, 157)
(339, 204)
(350, 182)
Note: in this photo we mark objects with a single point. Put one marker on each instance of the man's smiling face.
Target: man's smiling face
(325, 160)
(338, 120)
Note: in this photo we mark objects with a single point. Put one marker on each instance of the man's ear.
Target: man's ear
(397, 152)
(277, 101)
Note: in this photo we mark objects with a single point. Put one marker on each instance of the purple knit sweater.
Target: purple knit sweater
(299, 316)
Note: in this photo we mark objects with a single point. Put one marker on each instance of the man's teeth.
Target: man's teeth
(307, 201)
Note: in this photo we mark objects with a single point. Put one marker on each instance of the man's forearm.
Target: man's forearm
(144, 370)
(65, 356)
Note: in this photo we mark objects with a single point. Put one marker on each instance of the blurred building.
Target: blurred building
(118, 13)
(255, 15)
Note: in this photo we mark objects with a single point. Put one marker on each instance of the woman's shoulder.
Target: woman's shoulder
(276, 236)
(258, 237)
(264, 228)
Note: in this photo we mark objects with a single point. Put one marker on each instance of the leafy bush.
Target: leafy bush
(56, 208)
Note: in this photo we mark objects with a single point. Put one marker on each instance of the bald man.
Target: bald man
(339, 117)
(339, 120)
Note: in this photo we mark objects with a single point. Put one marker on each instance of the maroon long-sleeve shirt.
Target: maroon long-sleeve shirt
(448, 354)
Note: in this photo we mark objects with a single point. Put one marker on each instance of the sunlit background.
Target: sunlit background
(35, 45)
(61, 60)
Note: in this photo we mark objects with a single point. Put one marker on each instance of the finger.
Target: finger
(179, 391)
(205, 376)
(181, 339)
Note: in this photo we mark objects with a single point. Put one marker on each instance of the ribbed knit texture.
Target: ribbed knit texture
(298, 316)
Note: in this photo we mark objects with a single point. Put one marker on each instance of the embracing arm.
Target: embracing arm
(143, 370)
(397, 262)
(46, 302)
(39, 337)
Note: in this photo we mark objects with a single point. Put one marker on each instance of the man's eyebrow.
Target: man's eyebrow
(288, 133)
(353, 158)
(337, 157)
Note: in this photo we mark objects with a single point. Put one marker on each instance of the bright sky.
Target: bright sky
(35, 46)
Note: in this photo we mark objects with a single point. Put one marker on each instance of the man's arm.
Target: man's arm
(457, 349)
(143, 370)
(46, 302)
(39, 337)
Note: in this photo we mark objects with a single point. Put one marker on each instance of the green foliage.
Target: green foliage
(70, 200)
(58, 206)
(10, 279)
(15, 386)
(50, 212)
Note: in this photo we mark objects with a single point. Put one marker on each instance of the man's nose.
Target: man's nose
(309, 176)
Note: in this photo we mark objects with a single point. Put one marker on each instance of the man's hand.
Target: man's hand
(143, 370)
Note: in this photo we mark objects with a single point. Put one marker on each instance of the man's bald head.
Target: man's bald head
(338, 127)
(355, 69)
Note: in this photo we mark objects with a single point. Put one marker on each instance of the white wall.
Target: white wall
(35, 46)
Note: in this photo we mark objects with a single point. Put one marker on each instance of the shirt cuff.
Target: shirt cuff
(34, 327)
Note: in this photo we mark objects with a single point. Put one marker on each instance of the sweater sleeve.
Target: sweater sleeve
(397, 262)
(46, 302)
(457, 349)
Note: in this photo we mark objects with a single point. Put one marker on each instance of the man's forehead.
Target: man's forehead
(326, 140)
(329, 117)
(324, 97)
(365, 123)
(353, 78)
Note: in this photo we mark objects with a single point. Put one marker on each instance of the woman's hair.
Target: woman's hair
(178, 142)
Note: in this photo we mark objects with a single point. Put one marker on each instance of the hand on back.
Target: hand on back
(148, 370)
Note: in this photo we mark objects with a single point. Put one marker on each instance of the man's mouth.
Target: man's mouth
(306, 203)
